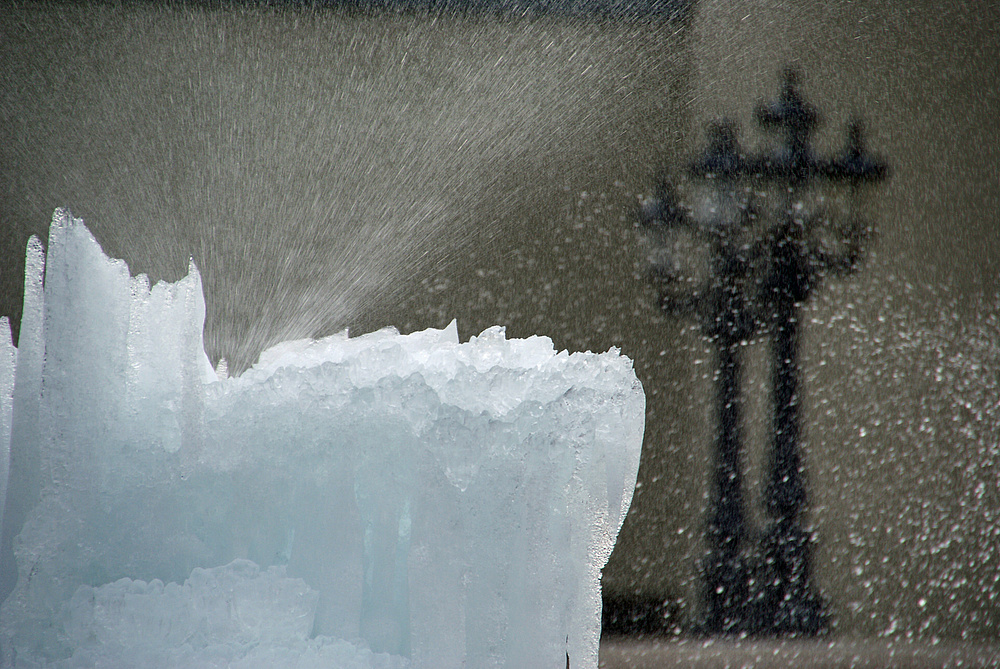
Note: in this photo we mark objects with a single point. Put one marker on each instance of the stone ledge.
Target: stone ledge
(625, 653)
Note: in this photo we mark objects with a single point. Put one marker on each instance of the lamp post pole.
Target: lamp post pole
(759, 276)
(787, 602)
(725, 318)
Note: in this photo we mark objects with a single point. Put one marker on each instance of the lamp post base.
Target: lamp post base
(727, 601)
(786, 602)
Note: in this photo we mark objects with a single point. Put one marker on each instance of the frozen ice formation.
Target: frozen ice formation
(379, 501)
(232, 616)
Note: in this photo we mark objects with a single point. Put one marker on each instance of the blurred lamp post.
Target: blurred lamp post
(743, 260)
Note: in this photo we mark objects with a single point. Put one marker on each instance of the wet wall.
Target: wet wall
(356, 169)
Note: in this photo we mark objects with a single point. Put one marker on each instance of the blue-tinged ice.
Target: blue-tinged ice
(8, 362)
(377, 501)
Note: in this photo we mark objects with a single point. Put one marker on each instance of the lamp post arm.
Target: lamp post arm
(798, 120)
(855, 163)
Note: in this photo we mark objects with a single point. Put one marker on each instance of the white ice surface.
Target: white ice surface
(436, 503)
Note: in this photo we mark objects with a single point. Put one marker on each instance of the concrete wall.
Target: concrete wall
(340, 170)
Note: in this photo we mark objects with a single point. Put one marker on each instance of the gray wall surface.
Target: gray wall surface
(336, 169)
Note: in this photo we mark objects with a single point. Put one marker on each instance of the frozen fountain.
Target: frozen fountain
(385, 500)
(329, 169)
